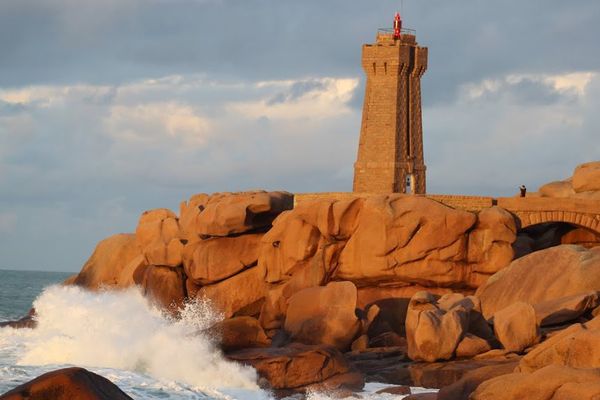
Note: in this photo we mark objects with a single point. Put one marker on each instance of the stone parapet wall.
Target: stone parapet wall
(468, 203)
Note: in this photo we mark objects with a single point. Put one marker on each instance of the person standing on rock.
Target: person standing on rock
(523, 190)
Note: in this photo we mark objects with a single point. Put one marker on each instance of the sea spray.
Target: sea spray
(122, 337)
(121, 330)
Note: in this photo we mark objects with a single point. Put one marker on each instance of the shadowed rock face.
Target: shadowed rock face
(225, 214)
(545, 275)
(165, 286)
(324, 315)
(578, 346)
(297, 366)
(67, 384)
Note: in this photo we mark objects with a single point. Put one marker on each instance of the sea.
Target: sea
(122, 337)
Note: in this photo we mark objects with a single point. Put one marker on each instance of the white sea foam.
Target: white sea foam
(121, 330)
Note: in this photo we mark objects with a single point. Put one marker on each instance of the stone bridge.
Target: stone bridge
(527, 211)
(537, 210)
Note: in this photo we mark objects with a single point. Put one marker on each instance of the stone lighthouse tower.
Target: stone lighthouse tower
(390, 151)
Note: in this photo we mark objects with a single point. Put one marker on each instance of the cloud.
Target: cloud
(515, 129)
(147, 124)
(314, 98)
(531, 88)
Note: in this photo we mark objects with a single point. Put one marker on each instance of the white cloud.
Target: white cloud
(577, 81)
(528, 128)
(152, 122)
(566, 83)
(328, 99)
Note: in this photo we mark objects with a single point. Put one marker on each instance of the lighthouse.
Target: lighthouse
(390, 152)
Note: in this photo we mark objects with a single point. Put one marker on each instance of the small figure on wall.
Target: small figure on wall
(523, 190)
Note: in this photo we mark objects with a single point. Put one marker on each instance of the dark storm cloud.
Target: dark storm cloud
(297, 90)
(92, 41)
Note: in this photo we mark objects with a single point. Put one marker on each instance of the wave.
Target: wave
(123, 337)
(122, 330)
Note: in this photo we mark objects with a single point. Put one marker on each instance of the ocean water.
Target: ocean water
(120, 336)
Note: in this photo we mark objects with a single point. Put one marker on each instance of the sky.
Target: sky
(112, 107)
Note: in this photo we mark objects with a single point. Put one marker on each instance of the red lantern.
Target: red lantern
(397, 26)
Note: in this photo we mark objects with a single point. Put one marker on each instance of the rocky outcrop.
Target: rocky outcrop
(298, 366)
(584, 184)
(28, 321)
(163, 285)
(239, 333)
(586, 177)
(433, 333)
(581, 236)
(462, 389)
(242, 294)
(564, 309)
(558, 189)
(67, 384)
(157, 236)
(577, 346)
(490, 243)
(517, 327)
(439, 329)
(389, 246)
(112, 264)
(323, 315)
(553, 382)
(545, 275)
(225, 214)
(218, 258)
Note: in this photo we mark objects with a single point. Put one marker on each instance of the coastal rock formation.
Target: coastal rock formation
(584, 184)
(242, 294)
(586, 177)
(582, 237)
(389, 246)
(112, 264)
(549, 274)
(297, 366)
(28, 321)
(516, 327)
(225, 214)
(553, 382)
(67, 384)
(157, 236)
(218, 258)
(564, 309)
(323, 315)
(163, 285)
(239, 333)
(439, 329)
(433, 333)
(577, 346)
(392, 238)
(462, 388)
